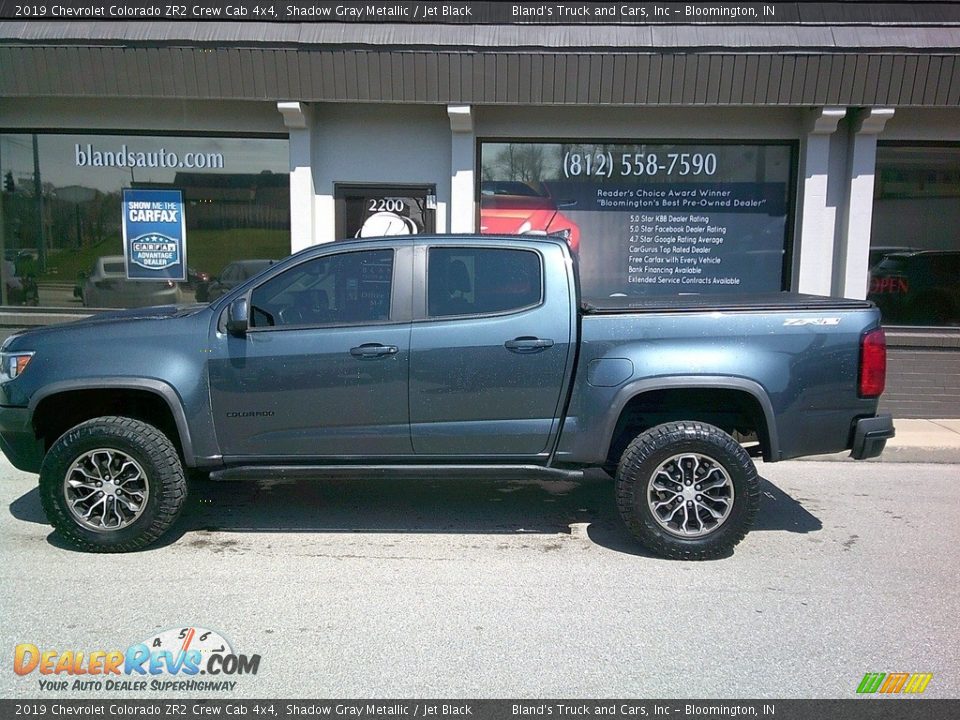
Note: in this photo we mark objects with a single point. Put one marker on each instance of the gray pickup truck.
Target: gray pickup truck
(450, 356)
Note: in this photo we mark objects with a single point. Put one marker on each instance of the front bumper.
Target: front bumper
(870, 435)
(17, 440)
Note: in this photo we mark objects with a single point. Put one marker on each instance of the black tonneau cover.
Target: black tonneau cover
(719, 303)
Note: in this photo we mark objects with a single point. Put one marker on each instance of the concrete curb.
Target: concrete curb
(917, 441)
(935, 455)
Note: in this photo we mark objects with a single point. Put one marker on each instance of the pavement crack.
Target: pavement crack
(335, 556)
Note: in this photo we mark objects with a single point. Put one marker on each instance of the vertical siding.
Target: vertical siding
(421, 76)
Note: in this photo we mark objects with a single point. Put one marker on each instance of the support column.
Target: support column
(296, 116)
(853, 273)
(462, 169)
(818, 215)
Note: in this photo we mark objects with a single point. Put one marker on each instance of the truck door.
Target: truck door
(322, 371)
(489, 349)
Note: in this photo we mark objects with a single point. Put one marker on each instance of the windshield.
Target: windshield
(507, 187)
(892, 265)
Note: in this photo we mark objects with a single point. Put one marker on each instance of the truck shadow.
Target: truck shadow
(449, 506)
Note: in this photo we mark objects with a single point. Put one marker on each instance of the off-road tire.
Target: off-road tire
(154, 452)
(653, 447)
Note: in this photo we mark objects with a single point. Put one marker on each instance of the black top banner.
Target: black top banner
(424, 11)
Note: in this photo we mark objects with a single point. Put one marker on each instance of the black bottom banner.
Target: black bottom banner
(852, 709)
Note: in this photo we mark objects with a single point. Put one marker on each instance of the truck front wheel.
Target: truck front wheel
(687, 490)
(112, 484)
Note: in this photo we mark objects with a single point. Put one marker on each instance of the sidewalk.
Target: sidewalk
(929, 441)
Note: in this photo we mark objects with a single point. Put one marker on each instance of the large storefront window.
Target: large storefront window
(649, 219)
(61, 224)
(915, 240)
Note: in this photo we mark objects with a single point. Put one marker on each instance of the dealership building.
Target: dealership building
(821, 158)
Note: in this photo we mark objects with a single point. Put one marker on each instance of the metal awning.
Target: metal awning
(805, 38)
(789, 65)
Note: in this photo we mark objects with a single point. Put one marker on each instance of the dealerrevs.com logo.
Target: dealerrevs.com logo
(186, 659)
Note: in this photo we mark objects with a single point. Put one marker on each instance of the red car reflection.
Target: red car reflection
(516, 208)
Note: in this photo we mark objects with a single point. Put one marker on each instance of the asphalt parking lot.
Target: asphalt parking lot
(514, 589)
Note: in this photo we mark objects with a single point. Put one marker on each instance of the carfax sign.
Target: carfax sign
(154, 235)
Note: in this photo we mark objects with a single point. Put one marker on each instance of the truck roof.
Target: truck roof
(457, 239)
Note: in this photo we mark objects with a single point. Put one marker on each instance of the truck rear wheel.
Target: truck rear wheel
(112, 484)
(687, 490)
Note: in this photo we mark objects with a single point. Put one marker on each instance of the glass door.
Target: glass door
(377, 210)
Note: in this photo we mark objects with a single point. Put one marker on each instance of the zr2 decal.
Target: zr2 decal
(822, 321)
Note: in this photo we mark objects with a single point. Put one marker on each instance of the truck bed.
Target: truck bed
(799, 353)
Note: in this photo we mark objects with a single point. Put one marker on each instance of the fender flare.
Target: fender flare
(685, 382)
(151, 385)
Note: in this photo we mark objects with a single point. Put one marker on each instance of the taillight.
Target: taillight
(873, 363)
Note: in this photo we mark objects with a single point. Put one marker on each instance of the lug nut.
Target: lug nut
(699, 497)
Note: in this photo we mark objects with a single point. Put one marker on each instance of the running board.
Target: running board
(395, 472)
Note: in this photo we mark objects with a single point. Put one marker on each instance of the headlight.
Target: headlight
(12, 364)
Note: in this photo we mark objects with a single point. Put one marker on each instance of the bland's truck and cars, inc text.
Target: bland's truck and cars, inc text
(453, 356)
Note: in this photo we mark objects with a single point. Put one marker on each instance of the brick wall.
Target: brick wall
(923, 376)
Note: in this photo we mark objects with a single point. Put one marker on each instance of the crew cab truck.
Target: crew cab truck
(449, 356)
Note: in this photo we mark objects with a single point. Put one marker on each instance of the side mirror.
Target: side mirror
(237, 316)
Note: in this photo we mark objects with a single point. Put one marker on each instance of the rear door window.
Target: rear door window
(482, 281)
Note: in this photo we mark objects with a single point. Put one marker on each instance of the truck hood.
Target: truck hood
(157, 312)
(104, 321)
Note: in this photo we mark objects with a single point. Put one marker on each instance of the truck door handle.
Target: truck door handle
(371, 351)
(528, 344)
